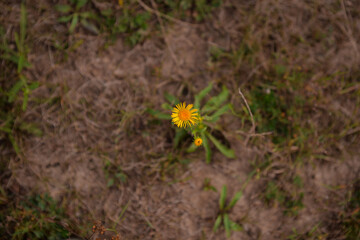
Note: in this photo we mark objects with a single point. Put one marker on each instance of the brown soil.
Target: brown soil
(97, 115)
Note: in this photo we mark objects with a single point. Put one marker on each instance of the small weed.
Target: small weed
(38, 217)
(207, 185)
(224, 209)
(200, 130)
(198, 10)
(75, 15)
(14, 94)
(291, 201)
(114, 174)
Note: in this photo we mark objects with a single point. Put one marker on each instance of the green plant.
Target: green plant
(16, 87)
(208, 115)
(290, 200)
(207, 185)
(114, 174)
(223, 215)
(37, 217)
(129, 22)
(199, 9)
(75, 15)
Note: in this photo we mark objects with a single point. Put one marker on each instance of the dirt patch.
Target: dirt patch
(92, 110)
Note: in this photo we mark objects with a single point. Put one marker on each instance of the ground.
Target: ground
(99, 154)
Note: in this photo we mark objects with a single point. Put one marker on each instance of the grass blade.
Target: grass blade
(179, 135)
(235, 227)
(215, 102)
(234, 200)
(223, 149)
(171, 98)
(159, 114)
(219, 112)
(201, 95)
(227, 225)
(207, 147)
(14, 90)
(22, 25)
(217, 223)
(63, 8)
(73, 23)
(222, 199)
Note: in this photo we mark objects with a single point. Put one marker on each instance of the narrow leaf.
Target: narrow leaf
(223, 149)
(207, 147)
(80, 4)
(25, 99)
(21, 63)
(14, 90)
(215, 102)
(63, 8)
(222, 199)
(31, 128)
(73, 23)
(201, 95)
(235, 227)
(227, 225)
(191, 148)
(89, 26)
(15, 145)
(22, 24)
(65, 19)
(219, 112)
(234, 200)
(159, 114)
(217, 223)
(179, 135)
(171, 98)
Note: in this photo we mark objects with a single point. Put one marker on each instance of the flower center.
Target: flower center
(184, 115)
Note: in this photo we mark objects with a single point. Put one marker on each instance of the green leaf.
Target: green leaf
(234, 200)
(21, 63)
(17, 41)
(88, 15)
(25, 99)
(207, 147)
(179, 135)
(15, 89)
(73, 23)
(227, 225)
(63, 8)
(219, 112)
(159, 114)
(171, 98)
(31, 128)
(110, 182)
(65, 19)
(166, 106)
(222, 199)
(15, 145)
(201, 95)
(235, 227)
(191, 148)
(223, 149)
(34, 85)
(89, 26)
(80, 4)
(22, 24)
(217, 223)
(215, 102)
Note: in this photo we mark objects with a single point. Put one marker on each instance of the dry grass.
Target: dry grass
(92, 110)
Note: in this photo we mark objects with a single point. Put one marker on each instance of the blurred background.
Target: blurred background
(88, 150)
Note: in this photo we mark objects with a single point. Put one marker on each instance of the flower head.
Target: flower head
(198, 141)
(184, 116)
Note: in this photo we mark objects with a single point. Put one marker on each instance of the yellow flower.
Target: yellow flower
(198, 141)
(184, 116)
